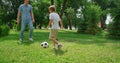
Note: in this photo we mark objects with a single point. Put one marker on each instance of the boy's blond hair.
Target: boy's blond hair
(52, 8)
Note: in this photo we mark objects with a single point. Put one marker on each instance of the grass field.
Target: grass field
(77, 48)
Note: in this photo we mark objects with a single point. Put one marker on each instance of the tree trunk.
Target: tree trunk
(52, 2)
(103, 25)
(63, 8)
(40, 25)
(70, 23)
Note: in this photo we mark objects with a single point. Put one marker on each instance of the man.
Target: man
(27, 18)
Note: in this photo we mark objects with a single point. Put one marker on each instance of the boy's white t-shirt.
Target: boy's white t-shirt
(56, 18)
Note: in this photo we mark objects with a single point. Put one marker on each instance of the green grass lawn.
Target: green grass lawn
(77, 48)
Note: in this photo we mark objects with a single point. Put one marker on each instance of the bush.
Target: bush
(114, 27)
(82, 26)
(91, 17)
(17, 27)
(4, 30)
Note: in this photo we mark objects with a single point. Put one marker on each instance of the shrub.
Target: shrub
(4, 30)
(82, 26)
(114, 26)
(91, 18)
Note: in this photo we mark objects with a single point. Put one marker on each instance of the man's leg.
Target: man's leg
(31, 29)
(23, 24)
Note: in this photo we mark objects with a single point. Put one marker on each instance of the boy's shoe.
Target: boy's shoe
(30, 39)
(55, 47)
(59, 46)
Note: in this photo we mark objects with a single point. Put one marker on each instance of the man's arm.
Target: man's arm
(18, 17)
(32, 15)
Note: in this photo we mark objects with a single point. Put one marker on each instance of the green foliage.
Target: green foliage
(92, 14)
(58, 4)
(41, 13)
(70, 14)
(89, 22)
(82, 26)
(65, 22)
(1, 15)
(104, 4)
(0, 22)
(114, 26)
(117, 3)
(17, 27)
(75, 4)
(4, 30)
(10, 8)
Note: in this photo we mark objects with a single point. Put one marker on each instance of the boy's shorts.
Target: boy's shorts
(53, 33)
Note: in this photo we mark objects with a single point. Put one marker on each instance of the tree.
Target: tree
(52, 2)
(114, 26)
(92, 14)
(89, 18)
(10, 8)
(70, 14)
(63, 8)
(40, 8)
(104, 4)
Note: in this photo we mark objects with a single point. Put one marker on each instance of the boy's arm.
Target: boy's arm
(61, 24)
(50, 22)
(18, 17)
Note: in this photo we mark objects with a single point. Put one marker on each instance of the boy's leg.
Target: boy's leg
(52, 37)
(54, 42)
(56, 34)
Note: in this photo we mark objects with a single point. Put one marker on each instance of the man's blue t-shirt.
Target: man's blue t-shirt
(25, 11)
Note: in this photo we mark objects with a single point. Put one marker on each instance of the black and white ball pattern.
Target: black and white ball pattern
(45, 44)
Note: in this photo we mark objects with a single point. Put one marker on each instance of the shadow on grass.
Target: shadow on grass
(37, 36)
(98, 42)
(65, 36)
(25, 43)
(59, 51)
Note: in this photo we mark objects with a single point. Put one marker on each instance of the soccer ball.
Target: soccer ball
(44, 44)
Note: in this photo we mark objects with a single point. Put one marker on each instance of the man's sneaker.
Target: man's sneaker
(59, 46)
(30, 39)
(21, 40)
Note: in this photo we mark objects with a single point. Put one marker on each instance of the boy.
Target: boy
(54, 23)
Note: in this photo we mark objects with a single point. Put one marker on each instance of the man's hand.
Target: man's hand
(33, 20)
(18, 21)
